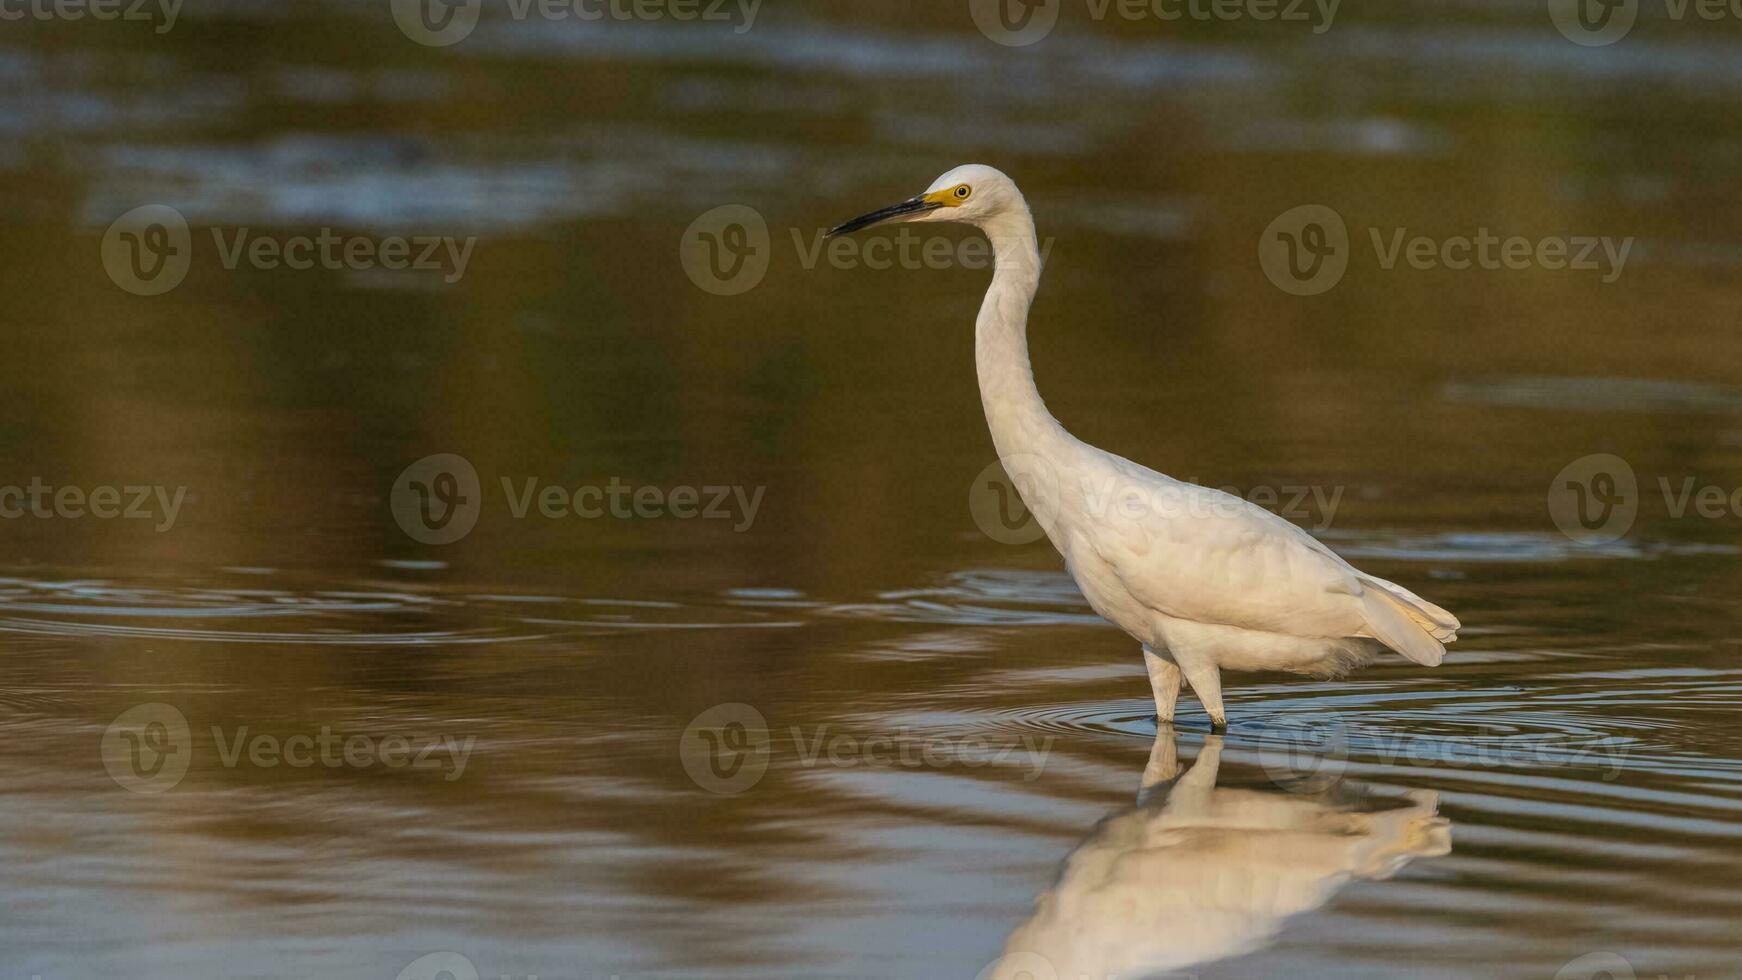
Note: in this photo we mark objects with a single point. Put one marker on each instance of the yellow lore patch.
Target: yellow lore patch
(949, 197)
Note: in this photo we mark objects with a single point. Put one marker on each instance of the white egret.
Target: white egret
(1202, 579)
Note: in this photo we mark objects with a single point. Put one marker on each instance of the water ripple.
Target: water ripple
(981, 597)
(88, 608)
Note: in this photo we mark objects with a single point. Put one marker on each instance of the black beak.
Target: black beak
(913, 205)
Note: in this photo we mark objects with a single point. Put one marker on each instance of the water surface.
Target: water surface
(961, 761)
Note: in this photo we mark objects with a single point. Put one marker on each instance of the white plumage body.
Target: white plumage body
(1186, 568)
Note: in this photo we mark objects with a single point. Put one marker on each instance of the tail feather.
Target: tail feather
(1389, 620)
(1443, 625)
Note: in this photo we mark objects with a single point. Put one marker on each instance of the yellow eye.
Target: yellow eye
(962, 192)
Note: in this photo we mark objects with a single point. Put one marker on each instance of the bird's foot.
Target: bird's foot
(1218, 726)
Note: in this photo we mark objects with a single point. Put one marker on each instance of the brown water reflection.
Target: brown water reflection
(1581, 739)
(1199, 873)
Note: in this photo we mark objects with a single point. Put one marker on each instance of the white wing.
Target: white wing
(1199, 554)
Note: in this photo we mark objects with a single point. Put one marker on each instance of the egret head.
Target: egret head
(972, 193)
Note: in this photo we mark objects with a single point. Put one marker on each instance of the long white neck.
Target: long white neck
(1015, 412)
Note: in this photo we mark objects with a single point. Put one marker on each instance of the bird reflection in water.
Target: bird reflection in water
(1195, 873)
